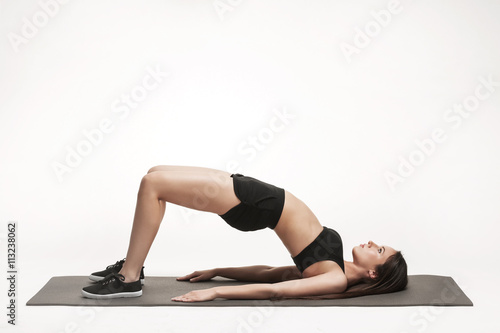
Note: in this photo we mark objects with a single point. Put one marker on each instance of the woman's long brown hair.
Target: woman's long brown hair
(391, 276)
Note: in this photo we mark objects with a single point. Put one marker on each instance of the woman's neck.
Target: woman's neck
(353, 273)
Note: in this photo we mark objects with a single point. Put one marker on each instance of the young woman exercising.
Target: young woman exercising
(248, 204)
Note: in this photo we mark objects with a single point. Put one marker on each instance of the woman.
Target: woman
(248, 204)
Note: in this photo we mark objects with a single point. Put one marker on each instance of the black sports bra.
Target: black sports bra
(327, 246)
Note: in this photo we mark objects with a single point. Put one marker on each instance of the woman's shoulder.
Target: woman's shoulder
(338, 279)
(332, 271)
(340, 282)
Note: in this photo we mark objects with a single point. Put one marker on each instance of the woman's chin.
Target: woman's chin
(355, 250)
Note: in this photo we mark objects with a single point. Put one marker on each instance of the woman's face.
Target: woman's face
(370, 255)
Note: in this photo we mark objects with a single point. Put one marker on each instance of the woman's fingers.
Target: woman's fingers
(198, 276)
(193, 277)
(187, 277)
(196, 296)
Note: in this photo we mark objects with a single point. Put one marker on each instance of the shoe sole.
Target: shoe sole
(96, 278)
(108, 296)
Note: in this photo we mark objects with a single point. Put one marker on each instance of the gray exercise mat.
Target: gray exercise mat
(158, 291)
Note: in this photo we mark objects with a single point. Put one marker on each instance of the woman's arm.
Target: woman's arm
(256, 273)
(282, 273)
(326, 283)
(246, 291)
(323, 284)
(260, 273)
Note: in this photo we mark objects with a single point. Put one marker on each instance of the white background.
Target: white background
(229, 72)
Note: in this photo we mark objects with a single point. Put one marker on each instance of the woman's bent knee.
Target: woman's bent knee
(156, 168)
(148, 182)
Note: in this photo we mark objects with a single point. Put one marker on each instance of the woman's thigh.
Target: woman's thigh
(198, 188)
(182, 168)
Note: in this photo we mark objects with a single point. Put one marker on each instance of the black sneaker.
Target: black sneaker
(98, 276)
(112, 286)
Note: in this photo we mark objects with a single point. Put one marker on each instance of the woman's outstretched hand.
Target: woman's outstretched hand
(199, 276)
(197, 296)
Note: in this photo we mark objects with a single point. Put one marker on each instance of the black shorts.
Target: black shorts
(327, 246)
(260, 207)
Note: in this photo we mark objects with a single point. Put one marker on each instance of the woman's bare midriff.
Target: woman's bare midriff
(297, 228)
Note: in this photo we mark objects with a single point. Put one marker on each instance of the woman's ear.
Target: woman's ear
(372, 274)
